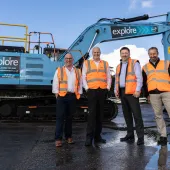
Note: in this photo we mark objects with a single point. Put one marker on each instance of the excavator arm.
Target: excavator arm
(117, 29)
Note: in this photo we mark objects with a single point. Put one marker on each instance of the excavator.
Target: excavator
(26, 72)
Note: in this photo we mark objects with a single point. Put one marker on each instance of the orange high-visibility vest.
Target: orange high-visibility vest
(158, 78)
(62, 77)
(96, 77)
(131, 80)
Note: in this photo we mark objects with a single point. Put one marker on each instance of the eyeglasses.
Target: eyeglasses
(68, 58)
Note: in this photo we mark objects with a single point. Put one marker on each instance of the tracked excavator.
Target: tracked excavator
(26, 72)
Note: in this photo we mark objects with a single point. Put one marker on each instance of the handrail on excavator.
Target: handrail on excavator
(39, 40)
(15, 39)
(26, 38)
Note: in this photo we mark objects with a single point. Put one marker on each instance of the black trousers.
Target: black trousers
(66, 107)
(96, 98)
(131, 109)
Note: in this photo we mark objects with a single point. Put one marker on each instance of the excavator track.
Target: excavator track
(43, 109)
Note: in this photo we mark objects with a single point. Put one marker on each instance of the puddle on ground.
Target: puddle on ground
(159, 159)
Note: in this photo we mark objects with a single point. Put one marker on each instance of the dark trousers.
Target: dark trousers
(66, 107)
(96, 98)
(131, 108)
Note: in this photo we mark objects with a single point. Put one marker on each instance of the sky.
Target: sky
(67, 19)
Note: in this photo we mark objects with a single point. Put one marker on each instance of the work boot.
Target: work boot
(88, 142)
(127, 139)
(140, 141)
(70, 141)
(162, 141)
(58, 143)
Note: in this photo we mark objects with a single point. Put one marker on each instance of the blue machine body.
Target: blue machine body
(26, 70)
(34, 69)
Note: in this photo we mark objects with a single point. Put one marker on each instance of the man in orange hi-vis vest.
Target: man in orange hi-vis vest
(67, 87)
(96, 81)
(128, 84)
(156, 79)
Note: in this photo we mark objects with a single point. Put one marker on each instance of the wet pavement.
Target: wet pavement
(147, 114)
(30, 146)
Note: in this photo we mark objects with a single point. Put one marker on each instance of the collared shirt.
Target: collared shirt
(71, 78)
(84, 71)
(138, 73)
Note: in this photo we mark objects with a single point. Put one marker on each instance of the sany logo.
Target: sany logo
(124, 30)
(8, 62)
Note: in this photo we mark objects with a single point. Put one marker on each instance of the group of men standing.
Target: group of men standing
(95, 77)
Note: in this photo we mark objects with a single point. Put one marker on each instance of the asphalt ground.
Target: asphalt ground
(31, 146)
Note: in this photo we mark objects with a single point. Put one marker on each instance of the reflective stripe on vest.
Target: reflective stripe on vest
(163, 81)
(96, 79)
